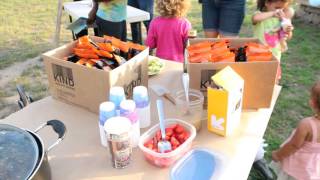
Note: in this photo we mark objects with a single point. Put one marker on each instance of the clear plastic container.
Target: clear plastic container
(166, 159)
(193, 114)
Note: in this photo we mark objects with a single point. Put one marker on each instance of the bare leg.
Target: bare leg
(211, 34)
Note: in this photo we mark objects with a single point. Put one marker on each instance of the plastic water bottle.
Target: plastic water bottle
(141, 98)
(128, 110)
(106, 111)
(117, 96)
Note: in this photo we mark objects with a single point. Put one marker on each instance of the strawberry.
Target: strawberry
(179, 129)
(149, 144)
(187, 135)
(168, 138)
(172, 126)
(174, 147)
(167, 151)
(155, 142)
(169, 132)
(158, 135)
(181, 137)
(174, 142)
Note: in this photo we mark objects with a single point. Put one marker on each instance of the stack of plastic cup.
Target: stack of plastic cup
(128, 110)
(106, 111)
(141, 98)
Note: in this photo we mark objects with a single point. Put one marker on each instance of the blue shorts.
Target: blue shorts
(223, 16)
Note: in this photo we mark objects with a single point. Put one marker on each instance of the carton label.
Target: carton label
(63, 76)
(137, 81)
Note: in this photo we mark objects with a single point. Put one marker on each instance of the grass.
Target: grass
(29, 27)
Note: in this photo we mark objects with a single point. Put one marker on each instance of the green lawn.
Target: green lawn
(27, 30)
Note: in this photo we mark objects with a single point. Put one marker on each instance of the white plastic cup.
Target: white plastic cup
(119, 141)
(141, 98)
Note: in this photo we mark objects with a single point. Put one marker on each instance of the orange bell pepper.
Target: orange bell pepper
(106, 47)
(104, 54)
(86, 55)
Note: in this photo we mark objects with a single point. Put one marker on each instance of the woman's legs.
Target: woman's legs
(231, 17)
(222, 18)
(115, 29)
(210, 19)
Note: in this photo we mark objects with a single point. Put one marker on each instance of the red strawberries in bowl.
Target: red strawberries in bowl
(179, 133)
(175, 134)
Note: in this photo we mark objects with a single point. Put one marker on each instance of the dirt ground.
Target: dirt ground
(19, 73)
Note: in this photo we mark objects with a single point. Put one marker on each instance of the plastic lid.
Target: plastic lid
(107, 110)
(117, 125)
(197, 164)
(19, 153)
(127, 106)
(117, 95)
(140, 93)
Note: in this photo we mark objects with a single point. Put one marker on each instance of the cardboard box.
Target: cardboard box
(225, 102)
(259, 77)
(88, 87)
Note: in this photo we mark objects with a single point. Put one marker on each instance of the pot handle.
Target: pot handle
(58, 127)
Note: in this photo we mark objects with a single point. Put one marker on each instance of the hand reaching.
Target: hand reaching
(288, 29)
(279, 14)
(91, 17)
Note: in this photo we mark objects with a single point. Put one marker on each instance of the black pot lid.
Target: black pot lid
(18, 153)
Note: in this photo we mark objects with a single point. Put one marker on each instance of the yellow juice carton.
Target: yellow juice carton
(225, 102)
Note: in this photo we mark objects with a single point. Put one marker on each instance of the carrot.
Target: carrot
(257, 58)
(83, 51)
(104, 54)
(201, 57)
(83, 40)
(84, 46)
(199, 50)
(87, 55)
(200, 45)
(106, 47)
(136, 46)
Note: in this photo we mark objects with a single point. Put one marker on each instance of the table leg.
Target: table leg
(58, 24)
(73, 34)
(139, 38)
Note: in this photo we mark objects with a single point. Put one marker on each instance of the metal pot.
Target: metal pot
(30, 152)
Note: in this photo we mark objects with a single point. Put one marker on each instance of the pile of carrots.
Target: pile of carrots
(258, 52)
(220, 51)
(98, 54)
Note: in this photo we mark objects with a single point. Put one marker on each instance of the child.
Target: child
(267, 25)
(169, 32)
(110, 17)
(299, 156)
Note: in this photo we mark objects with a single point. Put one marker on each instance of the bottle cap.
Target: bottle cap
(140, 96)
(106, 111)
(127, 106)
(117, 95)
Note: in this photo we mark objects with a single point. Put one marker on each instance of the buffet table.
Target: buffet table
(81, 156)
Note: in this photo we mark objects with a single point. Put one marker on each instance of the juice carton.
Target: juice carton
(225, 101)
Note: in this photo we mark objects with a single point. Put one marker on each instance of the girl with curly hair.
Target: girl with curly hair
(169, 32)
